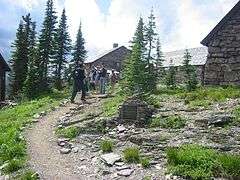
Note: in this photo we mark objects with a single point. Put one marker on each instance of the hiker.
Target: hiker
(103, 76)
(113, 79)
(93, 78)
(78, 82)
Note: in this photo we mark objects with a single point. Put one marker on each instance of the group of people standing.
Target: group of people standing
(94, 80)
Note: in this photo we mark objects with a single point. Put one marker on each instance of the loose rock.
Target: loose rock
(65, 151)
(125, 172)
(110, 158)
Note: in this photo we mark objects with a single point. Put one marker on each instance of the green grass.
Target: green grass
(28, 175)
(236, 120)
(12, 120)
(145, 162)
(106, 146)
(197, 162)
(68, 132)
(172, 122)
(131, 155)
(205, 96)
(111, 105)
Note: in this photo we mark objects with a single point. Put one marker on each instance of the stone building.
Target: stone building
(223, 42)
(111, 59)
(175, 58)
(4, 68)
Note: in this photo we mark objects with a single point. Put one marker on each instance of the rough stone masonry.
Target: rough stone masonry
(223, 42)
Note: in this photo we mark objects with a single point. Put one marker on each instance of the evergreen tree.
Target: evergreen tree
(190, 72)
(47, 43)
(134, 72)
(160, 60)
(19, 59)
(31, 84)
(63, 49)
(79, 51)
(150, 35)
(171, 76)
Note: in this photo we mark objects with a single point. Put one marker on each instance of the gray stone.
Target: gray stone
(110, 158)
(220, 120)
(119, 163)
(125, 172)
(75, 149)
(65, 151)
(60, 140)
(36, 116)
(121, 128)
(43, 113)
(123, 167)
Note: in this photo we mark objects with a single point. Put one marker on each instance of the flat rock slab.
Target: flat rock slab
(125, 172)
(110, 158)
(220, 120)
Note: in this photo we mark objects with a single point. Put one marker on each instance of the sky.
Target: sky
(180, 23)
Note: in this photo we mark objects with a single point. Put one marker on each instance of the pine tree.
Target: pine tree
(63, 49)
(159, 55)
(79, 51)
(134, 72)
(150, 36)
(31, 84)
(171, 77)
(190, 72)
(47, 43)
(19, 61)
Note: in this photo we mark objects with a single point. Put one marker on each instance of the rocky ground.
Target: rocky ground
(81, 158)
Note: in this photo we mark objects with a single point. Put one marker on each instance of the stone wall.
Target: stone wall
(223, 62)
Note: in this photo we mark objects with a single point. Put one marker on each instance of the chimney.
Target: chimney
(115, 45)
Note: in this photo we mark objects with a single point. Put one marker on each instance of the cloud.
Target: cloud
(181, 23)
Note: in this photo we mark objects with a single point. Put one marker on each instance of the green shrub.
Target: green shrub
(68, 132)
(106, 146)
(13, 165)
(192, 161)
(197, 162)
(230, 164)
(204, 96)
(145, 162)
(131, 155)
(29, 175)
(153, 100)
(173, 122)
(237, 116)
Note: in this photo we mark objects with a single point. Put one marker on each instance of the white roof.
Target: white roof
(199, 57)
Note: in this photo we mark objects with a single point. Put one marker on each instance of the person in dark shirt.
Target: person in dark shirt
(103, 76)
(78, 82)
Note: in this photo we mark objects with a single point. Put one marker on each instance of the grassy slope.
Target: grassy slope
(12, 121)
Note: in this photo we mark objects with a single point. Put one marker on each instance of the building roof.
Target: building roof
(199, 57)
(221, 24)
(104, 54)
(6, 67)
